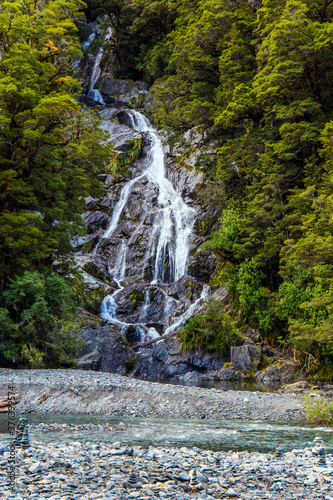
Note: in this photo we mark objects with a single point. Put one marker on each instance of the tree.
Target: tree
(35, 321)
(50, 149)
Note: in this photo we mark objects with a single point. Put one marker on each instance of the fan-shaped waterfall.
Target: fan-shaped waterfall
(169, 239)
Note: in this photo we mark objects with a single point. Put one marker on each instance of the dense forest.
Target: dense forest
(50, 154)
(252, 78)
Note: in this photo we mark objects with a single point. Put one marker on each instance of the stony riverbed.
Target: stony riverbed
(87, 392)
(89, 471)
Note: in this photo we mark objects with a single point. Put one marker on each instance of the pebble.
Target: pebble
(79, 392)
(49, 471)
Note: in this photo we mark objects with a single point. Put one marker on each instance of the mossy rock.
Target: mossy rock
(92, 269)
(135, 296)
(107, 244)
(204, 227)
(137, 241)
(87, 247)
(191, 284)
(130, 363)
(92, 299)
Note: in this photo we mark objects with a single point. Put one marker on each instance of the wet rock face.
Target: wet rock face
(140, 301)
(187, 183)
(165, 360)
(106, 349)
(125, 91)
(95, 220)
(142, 233)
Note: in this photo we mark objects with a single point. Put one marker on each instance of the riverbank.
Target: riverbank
(117, 472)
(88, 392)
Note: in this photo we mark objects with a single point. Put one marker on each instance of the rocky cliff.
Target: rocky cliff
(141, 247)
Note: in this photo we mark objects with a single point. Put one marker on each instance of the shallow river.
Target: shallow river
(222, 384)
(213, 435)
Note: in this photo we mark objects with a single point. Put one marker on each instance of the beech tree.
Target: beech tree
(50, 149)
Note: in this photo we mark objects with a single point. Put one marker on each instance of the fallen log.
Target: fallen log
(153, 341)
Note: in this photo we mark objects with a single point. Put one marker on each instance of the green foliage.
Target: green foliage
(253, 80)
(224, 241)
(212, 332)
(319, 410)
(130, 363)
(253, 300)
(50, 149)
(135, 296)
(36, 321)
(90, 299)
(119, 162)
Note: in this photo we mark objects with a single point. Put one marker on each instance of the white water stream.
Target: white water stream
(168, 246)
(96, 70)
(169, 239)
(171, 234)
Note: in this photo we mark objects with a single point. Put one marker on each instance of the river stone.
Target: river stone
(231, 493)
(36, 467)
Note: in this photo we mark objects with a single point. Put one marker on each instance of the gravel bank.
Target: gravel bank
(87, 392)
(114, 472)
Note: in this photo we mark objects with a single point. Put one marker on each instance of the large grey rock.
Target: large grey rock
(226, 374)
(106, 349)
(286, 372)
(245, 357)
(95, 220)
(271, 374)
(166, 360)
(123, 90)
(91, 361)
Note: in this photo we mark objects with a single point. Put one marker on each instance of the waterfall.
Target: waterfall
(124, 195)
(146, 255)
(181, 321)
(145, 308)
(119, 269)
(171, 236)
(96, 70)
(169, 239)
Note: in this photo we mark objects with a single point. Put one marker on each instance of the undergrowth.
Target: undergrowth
(319, 410)
(211, 332)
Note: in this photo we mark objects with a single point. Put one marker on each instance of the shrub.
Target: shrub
(211, 332)
(35, 322)
(319, 410)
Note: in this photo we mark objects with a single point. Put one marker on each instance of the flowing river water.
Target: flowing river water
(213, 435)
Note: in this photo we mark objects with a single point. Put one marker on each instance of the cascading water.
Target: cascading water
(168, 247)
(96, 70)
(170, 236)
(147, 260)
